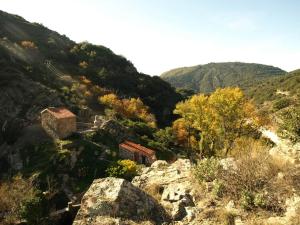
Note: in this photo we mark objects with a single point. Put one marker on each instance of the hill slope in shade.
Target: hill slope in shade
(206, 78)
(30, 85)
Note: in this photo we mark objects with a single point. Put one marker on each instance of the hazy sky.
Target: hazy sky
(158, 35)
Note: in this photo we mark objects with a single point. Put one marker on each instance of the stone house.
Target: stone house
(58, 122)
(137, 153)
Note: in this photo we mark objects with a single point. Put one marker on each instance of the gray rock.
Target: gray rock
(175, 182)
(228, 164)
(118, 198)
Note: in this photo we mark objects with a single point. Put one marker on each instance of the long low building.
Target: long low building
(137, 153)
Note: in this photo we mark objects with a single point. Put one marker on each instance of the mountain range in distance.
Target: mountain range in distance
(206, 78)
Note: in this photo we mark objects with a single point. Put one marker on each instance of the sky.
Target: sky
(159, 35)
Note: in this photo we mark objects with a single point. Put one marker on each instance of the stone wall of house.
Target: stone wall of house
(66, 126)
(58, 128)
(49, 123)
(124, 154)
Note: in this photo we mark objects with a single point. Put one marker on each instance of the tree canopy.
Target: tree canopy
(132, 108)
(212, 123)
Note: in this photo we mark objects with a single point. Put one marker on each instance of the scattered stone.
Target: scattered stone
(230, 207)
(228, 164)
(292, 206)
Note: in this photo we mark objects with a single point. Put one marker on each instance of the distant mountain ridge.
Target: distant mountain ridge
(206, 78)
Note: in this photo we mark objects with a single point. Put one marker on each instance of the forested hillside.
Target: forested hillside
(273, 88)
(40, 67)
(206, 78)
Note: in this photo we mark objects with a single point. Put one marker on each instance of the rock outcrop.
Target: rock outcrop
(167, 194)
(113, 200)
(284, 149)
(173, 184)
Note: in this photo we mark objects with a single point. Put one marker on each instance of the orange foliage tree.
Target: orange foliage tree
(28, 45)
(132, 108)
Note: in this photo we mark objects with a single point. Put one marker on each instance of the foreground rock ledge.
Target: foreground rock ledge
(111, 200)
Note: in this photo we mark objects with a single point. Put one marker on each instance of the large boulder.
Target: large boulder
(174, 184)
(118, 200)
(163, 173)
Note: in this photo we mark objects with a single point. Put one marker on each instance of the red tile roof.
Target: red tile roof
(133, 147)
(60, 112)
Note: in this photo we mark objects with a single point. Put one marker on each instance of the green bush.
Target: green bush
(259, 200)
(218, 188)
(207, 169)
(281, 103)
(21, 200)
(290, 126)
(33, 210)
(126, 169)
(247, 200)
(139, 127)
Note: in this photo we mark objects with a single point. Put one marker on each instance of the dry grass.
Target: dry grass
(12, 194)
(256, 181)
(255, 222)
(296, 219)
(254, 171)
(245, 145)
(216, 216)
(155, 190)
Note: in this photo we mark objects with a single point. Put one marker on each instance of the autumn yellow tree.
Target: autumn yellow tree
(219, 118)
(28, 45)
(132, 108)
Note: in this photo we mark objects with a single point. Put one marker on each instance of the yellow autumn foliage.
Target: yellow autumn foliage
(217, 119)
(132, 108)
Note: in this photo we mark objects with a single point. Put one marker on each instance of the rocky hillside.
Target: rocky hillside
(170, 194)
(40, 67)
(206, 78)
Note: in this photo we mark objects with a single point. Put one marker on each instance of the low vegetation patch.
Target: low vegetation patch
(21, 200)
(126, 169)
(255, 181)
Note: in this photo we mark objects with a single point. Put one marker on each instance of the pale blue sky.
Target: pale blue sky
(158, 35)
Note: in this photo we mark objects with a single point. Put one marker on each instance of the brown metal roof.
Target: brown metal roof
(133, 147)
(60, 112)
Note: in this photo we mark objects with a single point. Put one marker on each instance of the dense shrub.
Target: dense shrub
(290, 125)
(252, 180)
(281, 103)
(20, 200)
(132, 108)
(28, 45)
(126, 169)
(247, 200)
(255, 175)
(208, 169)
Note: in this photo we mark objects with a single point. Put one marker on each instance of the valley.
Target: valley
(86, 139)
